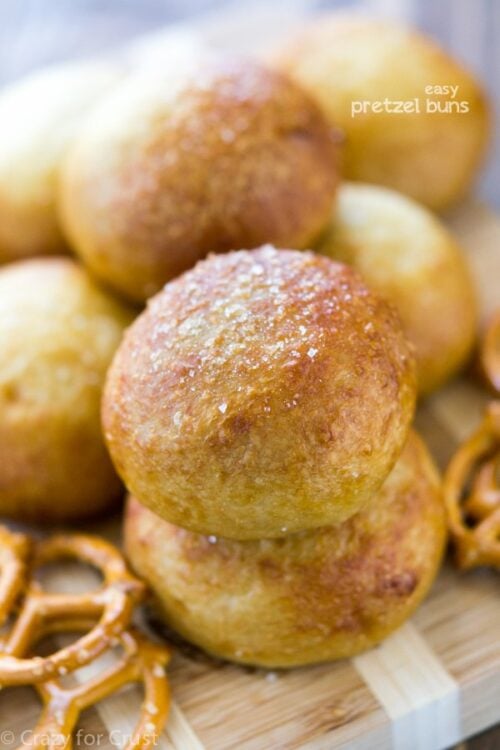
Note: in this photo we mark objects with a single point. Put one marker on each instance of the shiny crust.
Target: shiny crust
(307, 598)
(431, 157)
(58, 333)
(223, 154)
(405, 254)
(262, 393)
(38, 118)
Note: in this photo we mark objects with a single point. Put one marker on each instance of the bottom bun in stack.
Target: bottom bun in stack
(308, 597)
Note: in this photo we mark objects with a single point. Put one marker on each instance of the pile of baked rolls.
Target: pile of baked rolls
(259, 409)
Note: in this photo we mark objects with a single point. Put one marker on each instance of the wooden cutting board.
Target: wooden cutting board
(433, 683)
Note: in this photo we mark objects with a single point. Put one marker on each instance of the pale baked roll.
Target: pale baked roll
(409, 257)
(58, 334)
(38, 118)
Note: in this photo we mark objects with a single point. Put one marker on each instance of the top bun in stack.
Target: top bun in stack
(260, 394)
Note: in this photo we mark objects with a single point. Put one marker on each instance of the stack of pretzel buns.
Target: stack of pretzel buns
(221, 294)
(309, 519)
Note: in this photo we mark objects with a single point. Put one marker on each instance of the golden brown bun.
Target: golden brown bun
(224, 154)
(38, 118)
(310, 597)
(431, 157)
(409, 257)
(58, 333)
(261, 393)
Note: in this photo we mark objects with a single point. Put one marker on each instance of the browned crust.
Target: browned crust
(264, 392)
(238, 156)
(309, 597)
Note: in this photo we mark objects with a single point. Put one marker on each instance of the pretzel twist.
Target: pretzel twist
(472, 495)
(143, 661)
(14, 553)
(109, 608)
(489, 355)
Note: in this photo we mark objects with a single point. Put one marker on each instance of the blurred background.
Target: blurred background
(37, 32)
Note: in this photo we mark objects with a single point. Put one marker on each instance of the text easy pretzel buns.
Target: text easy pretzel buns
(347, 59)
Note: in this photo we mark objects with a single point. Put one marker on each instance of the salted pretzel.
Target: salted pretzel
(472, 495)
(489, 354)
(109, 610)
(14, 553)
(143, 661)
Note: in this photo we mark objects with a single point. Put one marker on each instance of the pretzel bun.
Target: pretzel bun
(261, 393)
(350, 63)
(409, 257)
(58, 333)
(215, 155)
(311, 597)
(38, 118)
